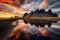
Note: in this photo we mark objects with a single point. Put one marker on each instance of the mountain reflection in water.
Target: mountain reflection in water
(38, 22)
(27, 32)
(24, 31)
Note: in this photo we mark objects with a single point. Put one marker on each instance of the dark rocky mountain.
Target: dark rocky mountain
(25, 14)
(40, 13)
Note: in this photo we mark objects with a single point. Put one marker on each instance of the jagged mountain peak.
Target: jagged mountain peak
(41, 13)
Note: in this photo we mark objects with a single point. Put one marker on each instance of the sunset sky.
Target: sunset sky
(9, 8)
(29, 5)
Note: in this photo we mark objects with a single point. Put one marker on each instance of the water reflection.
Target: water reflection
(27, 32)
(38, 22)
(24, 31)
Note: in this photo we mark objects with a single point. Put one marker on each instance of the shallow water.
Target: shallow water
(52, 32)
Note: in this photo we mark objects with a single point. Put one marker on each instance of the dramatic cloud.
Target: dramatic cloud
(28, 5)
(13, 5)
(43, 4)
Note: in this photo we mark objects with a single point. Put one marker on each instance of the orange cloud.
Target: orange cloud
(43, 4)
(6, 1)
